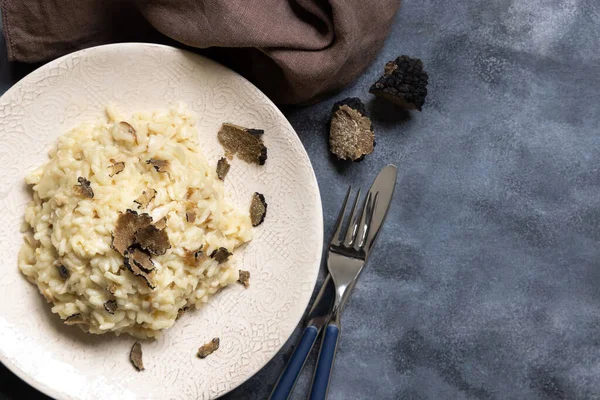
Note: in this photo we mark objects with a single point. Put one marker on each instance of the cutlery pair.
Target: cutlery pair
(348, 252)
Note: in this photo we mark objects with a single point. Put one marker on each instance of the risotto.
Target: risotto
(148, 169)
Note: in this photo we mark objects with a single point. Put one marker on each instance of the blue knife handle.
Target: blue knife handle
(320, 384)
(288, 377)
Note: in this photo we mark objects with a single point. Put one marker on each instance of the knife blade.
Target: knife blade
(383, 185)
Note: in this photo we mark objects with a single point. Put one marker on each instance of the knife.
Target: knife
(320, 313)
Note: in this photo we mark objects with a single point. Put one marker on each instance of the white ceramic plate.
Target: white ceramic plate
(283, 258)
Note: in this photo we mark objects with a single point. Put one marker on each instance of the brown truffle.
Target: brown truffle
(74, 319)
(111, 289)
(125, 127)
(209, 348)
(145, 198)
(258, 209)
(84, 188)
(191, 214)
(351, 134)
(141, 259)
(221, 254)
(180, 312)
(246, 143)
(222, 168)
(135, 356)
(128, 223)
(135, 269)
(63, 271)
(404, 82)
(193, 258)
(159, 165)
(110, 306)
(116, 167)
(244, 278)
(152, 239)
(161, 223)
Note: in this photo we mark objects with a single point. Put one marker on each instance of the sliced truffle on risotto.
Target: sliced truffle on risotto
(141, 259)
(128, 223)
(194, 258)
(208, 348)
(245, 143)
(222, 168)
(84, 188)
(153, 240)
(116, 167)
(244, 278)
(74, 319)
(221, 254)
(161, 223)
(110, 306)
(135, 356)
(191, 214)
(145, 198)
(126, 132)
(258, 209)
(63, 271)
(159, 165)
(135, 269)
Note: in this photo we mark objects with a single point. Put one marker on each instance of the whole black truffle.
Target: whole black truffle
(403, 82)
(351, 135)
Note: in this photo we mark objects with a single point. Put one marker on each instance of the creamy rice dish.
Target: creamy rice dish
(129, 224)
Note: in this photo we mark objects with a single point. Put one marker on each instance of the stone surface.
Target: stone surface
(485, 280)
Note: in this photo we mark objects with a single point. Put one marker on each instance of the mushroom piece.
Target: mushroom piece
(245, 143)
(159, 165)
(258, 209)
(110, 306)
(124, 128)
(244, 278)
(222, 168)
(74, 319)
(221, 254)
(116, 167)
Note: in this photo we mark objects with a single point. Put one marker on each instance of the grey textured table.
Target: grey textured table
(486, 282)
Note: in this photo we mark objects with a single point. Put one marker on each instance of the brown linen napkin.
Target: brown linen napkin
(296, 51)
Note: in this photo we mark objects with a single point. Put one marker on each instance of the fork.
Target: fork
(345, 260)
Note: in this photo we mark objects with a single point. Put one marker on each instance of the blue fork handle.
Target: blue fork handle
(288, 377)
(320, 384)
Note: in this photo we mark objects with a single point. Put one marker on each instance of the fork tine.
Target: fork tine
(352, 223)
(335, 239)
(358, 239)
(366, 220)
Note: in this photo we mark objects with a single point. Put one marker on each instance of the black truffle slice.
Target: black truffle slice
(258, 209)
(63, 271)
(110, 306)
(145, 198)
(74, 319)
(221, 254)
(403, 82)
(351, 135)
(191, 214)
(222, 168)
(141, 259)
(116, 167)
(208, 348)
(180, 312)
(161, 223)
(135, 355)
(244, 278)
(126, 128)
(153, 240)
(245, 143)
(84, 188)
(159, 165)
(128, 223)
(194, 258)
(134, 268)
